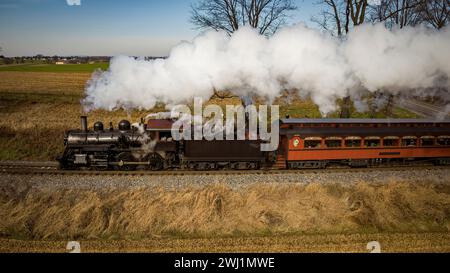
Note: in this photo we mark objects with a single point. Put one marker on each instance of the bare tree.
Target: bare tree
(265, 15)
(401, 13)
(356, 9)
(435, 13)
(339, 16)
(397, 13)
(331, 17)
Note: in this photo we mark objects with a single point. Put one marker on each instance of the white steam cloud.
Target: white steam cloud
(298, 59)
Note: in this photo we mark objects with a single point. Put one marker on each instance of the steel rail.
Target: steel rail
(51, 168)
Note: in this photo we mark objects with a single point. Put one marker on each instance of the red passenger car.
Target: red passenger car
(317, 143)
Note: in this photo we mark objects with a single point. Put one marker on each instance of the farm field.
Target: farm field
(353, 243)
(86, 68)
(36, 108)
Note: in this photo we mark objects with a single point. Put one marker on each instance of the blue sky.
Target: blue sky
(102, 27)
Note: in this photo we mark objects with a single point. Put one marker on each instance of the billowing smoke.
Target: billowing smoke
(296, 59)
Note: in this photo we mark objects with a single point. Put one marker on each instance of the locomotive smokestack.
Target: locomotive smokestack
(84, 124)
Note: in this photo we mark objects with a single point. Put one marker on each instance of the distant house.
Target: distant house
(60, 62)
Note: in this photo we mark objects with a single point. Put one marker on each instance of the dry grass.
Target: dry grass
(219, 211)
(43, 83)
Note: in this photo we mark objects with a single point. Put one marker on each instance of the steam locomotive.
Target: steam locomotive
(304, 143)
(151, 146)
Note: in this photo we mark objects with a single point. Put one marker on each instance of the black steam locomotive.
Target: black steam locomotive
(150, 146)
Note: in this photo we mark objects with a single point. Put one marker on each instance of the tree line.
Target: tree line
(336, 16)
(339, 16)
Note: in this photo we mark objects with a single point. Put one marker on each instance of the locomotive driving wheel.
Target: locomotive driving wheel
(122, 160)
(156, 162)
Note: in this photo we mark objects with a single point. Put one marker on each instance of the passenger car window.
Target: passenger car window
(333, 143)
(311, 144)
(427, 141)
(390, 142)
(409, 142)
(443, 141)
(353, 142)
(372, 142)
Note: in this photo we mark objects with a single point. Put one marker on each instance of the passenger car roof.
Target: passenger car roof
(351, 121)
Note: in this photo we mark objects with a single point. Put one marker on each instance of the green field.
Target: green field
(79, 68)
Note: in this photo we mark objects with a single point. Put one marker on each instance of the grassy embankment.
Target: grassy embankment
(345, 214)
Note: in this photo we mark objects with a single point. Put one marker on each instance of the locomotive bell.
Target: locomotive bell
(98, 126)
(124, 125)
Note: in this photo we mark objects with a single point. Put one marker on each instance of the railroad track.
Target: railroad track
(51, 168)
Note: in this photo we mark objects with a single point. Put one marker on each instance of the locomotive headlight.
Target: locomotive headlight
(296, 142)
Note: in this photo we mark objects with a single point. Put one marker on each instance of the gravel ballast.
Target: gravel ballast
(234, 181)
